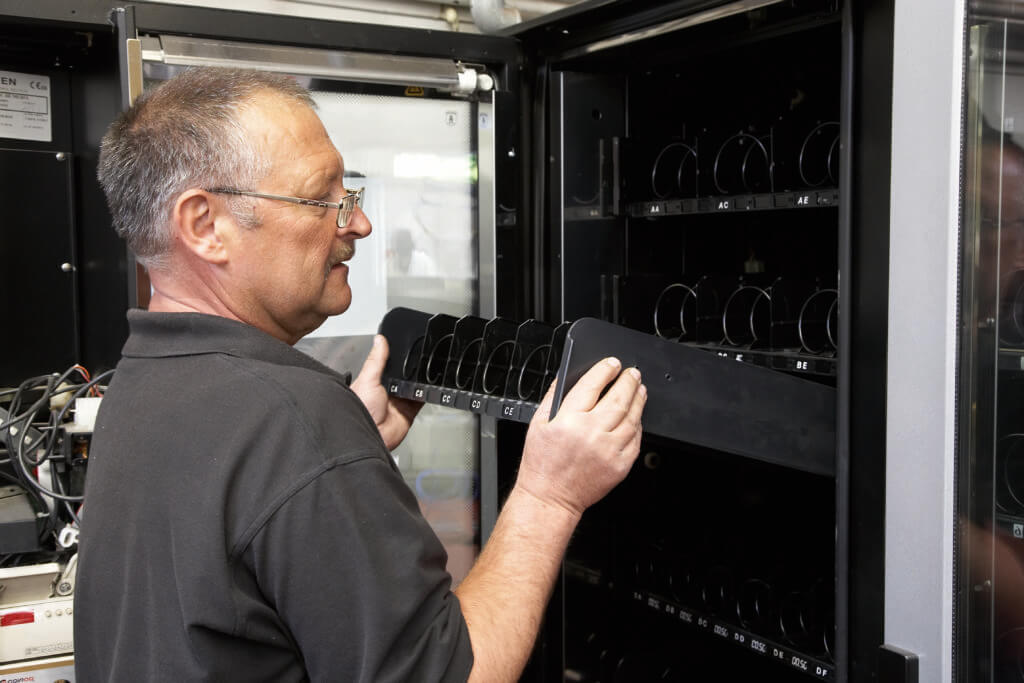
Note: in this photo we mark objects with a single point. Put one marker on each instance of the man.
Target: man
(243, 519)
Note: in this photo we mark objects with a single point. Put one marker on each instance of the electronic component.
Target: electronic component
(36, 609)
(18, 527)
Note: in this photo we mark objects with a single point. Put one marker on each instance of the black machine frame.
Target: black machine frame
(863, 236)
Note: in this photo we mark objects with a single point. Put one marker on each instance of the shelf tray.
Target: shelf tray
(812, 666)
(699, 398)
(694, 396)
(728, 204)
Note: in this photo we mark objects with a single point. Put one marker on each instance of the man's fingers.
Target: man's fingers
(615, 406)
(407, 408)
(373, 367)
(636, 408)
(585, 394)
(629, 435)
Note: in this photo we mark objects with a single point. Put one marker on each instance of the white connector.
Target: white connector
(84, 415)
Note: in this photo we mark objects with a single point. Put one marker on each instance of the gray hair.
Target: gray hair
(181, 135)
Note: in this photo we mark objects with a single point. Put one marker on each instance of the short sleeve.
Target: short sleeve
(358, 578)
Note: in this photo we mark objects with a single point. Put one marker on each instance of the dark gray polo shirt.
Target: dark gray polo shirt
(244, 522)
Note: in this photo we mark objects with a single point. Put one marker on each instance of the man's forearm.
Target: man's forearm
(504, 596)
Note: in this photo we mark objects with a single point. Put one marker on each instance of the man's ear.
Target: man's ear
(195, 217)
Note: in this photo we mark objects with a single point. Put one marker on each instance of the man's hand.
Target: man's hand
(392, 415)
(568, 464)
(575, 459)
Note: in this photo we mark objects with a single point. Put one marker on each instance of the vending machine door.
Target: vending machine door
(988, 611)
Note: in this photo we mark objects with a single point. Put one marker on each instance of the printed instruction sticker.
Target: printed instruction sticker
(25, 112)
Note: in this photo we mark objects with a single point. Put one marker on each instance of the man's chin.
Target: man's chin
(339, 304)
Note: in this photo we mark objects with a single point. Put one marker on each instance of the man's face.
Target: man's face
(1002, 196)
(289, 273)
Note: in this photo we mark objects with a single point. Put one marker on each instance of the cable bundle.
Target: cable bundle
(34, 442)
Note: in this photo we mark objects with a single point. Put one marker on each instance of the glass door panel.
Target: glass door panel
(989, 629)
(415, 152)
(416, 158)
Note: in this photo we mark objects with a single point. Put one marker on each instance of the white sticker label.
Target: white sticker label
(25, 106)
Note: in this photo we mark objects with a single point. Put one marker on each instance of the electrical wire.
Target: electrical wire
(26, 454)
(87, 387)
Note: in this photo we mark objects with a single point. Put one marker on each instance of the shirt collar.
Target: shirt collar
(164, 335)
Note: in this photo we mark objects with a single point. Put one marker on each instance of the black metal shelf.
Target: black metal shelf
(715, 627)
(743, 408)
(1011, 359)
(481, 404)
(788, 361)
(695, 398)
(522, 411)
(807, 199)
(794, 659)
(768, 201)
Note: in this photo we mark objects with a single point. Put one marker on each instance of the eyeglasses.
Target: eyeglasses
(349, 201)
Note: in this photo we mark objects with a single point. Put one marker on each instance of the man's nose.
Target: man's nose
(358, 225)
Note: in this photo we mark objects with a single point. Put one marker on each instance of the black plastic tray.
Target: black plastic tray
(699, 398)
(694, 397)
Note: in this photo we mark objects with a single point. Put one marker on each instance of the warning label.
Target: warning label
(25, 106)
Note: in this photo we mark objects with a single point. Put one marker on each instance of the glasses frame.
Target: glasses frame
(346, 207)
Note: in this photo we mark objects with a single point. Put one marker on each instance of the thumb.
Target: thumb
(373, 367)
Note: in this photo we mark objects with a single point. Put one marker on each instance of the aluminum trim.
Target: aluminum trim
(124, 21)
(335, 64)
(667, 27)
(487, 207)
(487, 298)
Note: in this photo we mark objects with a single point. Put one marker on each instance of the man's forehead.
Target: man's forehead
(290, 132)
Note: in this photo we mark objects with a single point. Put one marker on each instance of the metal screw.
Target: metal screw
(61, 156)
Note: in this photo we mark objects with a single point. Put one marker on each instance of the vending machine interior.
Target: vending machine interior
(693, 194)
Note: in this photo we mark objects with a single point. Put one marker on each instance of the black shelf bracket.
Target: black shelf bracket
(896, 665)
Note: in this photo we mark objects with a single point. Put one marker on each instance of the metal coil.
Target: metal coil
(532, 392)
(743, 170)
(827, 174)
(688, 152)
(681, 320)
(814, 322)
(492, 362)
(430, 373)
(464, 368)
(746, 318)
